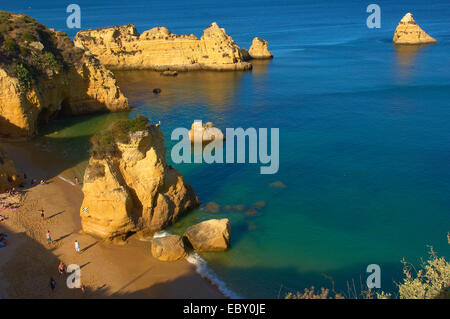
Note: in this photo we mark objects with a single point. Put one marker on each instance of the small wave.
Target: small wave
(160, 234)
(202, 268)
(66, 180)
(206, 272)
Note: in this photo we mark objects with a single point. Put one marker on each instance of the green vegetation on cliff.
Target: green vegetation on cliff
(104, 142)
(30, 51)
(430, 281)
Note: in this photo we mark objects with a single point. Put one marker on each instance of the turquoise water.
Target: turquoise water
(364, 135)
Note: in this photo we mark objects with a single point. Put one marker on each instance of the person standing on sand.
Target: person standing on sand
(48, 237)
(77, 246)
(42, 214)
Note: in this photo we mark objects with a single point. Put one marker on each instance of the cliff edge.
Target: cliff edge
(42, 75)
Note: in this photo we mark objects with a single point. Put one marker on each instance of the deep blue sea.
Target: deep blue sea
(364, 133)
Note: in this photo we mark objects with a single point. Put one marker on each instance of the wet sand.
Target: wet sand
(107, 271)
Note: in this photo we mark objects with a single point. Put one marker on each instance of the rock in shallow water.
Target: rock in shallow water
(210, 235)
(409, 32)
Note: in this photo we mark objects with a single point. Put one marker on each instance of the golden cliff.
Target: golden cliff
(9, 177)
(134, 189)
(42, 74)
(409, 32)
(122, 47)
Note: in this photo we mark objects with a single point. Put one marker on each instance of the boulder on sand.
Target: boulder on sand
(210, 235)
(168, 248)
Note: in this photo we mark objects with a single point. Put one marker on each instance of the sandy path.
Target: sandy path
(27, 264)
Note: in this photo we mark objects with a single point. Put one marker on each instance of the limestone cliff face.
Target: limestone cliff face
(122, 47)
(47, 78)
(409, 32)
(9, 177)
(135, 191)
(260, 49)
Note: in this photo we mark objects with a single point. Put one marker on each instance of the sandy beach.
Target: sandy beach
(28, 262)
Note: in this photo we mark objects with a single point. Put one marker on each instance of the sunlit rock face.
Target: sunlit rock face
(49, 76)
(409, 32)
(135, 190)
(122, 47)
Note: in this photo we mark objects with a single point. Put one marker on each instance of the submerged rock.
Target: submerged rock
(277, 184)
(168, 248)
(210, 235)
(260, 49)
(212, 208)
(47, 77)
(409, 32)
(169, 73)
(134, 189)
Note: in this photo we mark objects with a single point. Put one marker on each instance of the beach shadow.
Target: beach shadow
(84, 265)
(54, 215)
(62, 237)
(87, 247)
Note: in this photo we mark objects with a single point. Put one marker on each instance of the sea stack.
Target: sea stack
(42, 75)
(409, 32)
(128, 185)
(205, 133)
(260, 49)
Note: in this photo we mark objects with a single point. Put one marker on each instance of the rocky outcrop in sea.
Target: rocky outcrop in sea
(133, 189)
(409, 32)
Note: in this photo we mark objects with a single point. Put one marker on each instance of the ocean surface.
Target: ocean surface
(364, 134)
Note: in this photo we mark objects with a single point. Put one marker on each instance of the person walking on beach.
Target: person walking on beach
(48, 237)
(52, 283)
(77, 246)
(61, 268)
(42, 214)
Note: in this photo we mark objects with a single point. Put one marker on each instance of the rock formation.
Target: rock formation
(408, 32)
(133, 189)
(259, 49)
(48, 76)
(122, 47)
(205, 132)
(9, 177)
(168, 248)
(210, 235)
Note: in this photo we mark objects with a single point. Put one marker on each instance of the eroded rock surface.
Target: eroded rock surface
(210, 235)
(134, 190)
(47, 77)
(409, 32)
(122, 47)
